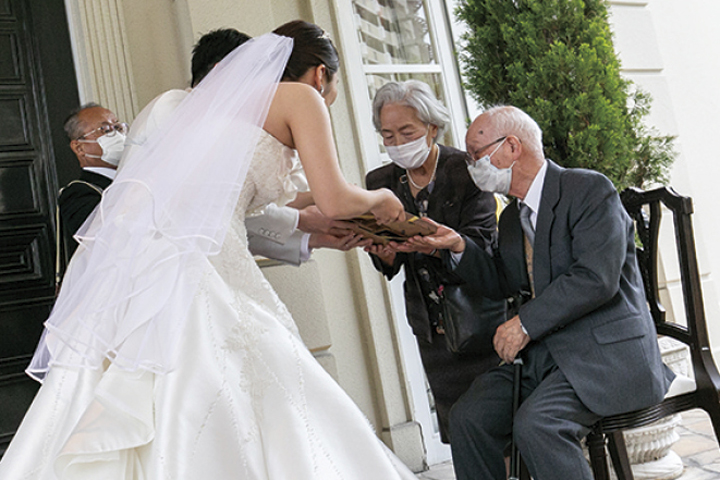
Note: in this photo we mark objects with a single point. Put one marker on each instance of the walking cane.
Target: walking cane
(514, 452)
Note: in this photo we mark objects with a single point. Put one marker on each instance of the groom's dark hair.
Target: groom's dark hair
(211, 48)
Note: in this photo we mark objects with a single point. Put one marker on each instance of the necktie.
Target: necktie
(526, 224)
(529, 238)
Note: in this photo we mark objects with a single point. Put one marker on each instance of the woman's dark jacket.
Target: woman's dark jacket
(454, 201)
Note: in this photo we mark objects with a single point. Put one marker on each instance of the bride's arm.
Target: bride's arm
(308, 119)
(302, 200)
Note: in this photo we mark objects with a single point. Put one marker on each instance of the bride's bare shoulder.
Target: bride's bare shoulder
(294, 92)
(294, 102)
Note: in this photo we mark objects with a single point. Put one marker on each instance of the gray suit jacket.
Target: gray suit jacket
(590, 308)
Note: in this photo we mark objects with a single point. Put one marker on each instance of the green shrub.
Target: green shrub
(555, 60)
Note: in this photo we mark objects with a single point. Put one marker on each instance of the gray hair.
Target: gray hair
(416, 95)
(73, 126)
(509, 120)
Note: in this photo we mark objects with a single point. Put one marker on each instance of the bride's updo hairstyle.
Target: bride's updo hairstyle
(311, 47)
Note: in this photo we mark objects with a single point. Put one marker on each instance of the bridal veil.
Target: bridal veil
(127, 291)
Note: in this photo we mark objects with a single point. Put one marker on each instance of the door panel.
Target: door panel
(31, 64)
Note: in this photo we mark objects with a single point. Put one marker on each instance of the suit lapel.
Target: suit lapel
(546, 216)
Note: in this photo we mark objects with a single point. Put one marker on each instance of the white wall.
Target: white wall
(128, 51)
(672, 49)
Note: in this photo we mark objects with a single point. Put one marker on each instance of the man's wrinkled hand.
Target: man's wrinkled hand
(407, 247)
(510, 339)
(444, 238)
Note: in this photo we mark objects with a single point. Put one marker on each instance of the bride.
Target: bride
(168, 355)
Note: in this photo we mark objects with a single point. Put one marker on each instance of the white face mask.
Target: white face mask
(488, 177)
(112, 145)
(410, 155)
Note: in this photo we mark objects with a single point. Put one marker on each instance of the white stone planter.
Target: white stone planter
(649, 450)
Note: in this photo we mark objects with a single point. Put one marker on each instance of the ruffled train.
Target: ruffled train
(246, 401)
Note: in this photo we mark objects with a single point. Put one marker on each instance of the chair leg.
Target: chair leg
(598, 461)
(618, 455)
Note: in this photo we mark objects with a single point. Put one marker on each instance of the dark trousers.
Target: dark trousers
(450, 376)
(547, 428)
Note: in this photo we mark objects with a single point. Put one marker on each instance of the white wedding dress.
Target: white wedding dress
(246, 399)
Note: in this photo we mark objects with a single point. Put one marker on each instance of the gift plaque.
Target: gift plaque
(398, 231)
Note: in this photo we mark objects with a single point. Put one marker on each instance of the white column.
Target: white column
(101, 55)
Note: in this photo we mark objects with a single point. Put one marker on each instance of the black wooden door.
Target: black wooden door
(37, 89)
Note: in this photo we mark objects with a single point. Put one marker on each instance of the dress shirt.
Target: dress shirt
(532, 200)
(534, 194)
(104, 171)
(305, 248)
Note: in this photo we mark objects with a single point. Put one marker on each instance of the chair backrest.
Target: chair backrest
(644, 207)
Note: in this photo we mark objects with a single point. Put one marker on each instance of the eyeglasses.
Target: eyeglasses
(108, 129)
(469, 158)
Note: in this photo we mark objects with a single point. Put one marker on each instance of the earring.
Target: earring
(322, 90)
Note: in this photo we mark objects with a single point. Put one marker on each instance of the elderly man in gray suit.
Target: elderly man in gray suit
(566, 250)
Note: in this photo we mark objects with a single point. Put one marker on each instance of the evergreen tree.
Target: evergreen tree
(555, 60)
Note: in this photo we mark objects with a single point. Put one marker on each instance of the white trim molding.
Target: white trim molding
(100, 51)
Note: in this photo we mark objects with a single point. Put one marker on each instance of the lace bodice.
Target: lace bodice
(269, 178)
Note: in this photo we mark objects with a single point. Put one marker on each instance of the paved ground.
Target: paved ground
(697, 447)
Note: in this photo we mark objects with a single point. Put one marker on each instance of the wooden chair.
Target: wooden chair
(645, 208)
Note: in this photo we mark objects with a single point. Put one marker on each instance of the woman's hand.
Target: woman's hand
(338, 242)
(388, 208)
(386, 253)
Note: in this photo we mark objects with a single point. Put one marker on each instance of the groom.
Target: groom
(281, 233)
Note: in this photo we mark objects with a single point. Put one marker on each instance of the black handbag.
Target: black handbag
(470, 320)
(467, 318)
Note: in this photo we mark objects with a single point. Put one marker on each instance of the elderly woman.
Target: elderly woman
(432, 181)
